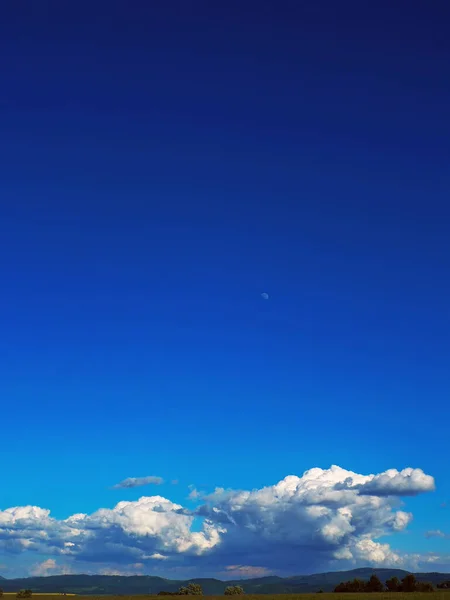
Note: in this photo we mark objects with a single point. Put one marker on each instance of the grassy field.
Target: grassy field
(438, 595)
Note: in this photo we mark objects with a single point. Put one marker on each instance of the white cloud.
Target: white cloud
(408, 482)
(49, 567)
(374, 553)
(43, 568)
(320, 511)
(23, 516)
(132, 482)
(324, 519)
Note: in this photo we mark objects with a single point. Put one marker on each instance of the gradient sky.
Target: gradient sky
(162, 166)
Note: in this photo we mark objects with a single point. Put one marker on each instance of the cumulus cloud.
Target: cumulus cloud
(43, 568)
(49, 567)
(320, 511)
(408, 482)
(132, 482)
(327, 518)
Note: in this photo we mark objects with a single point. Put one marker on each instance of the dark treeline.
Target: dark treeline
(445, 585)
(193, 589)
(407, 584)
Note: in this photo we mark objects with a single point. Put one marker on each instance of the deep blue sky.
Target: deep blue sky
(162, 164)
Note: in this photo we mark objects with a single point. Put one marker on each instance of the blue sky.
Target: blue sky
(161, 168)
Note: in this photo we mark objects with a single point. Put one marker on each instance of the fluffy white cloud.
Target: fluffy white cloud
(324, 511)
(20, 517)
(325, 518)
(49, 567)
(408, 482)
(44, 568)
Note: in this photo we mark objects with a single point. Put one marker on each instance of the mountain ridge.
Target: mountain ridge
(149, 584)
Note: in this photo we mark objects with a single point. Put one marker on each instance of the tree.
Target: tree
(24, 594)
(234, 590)
(1, 593)
(374, 584)
(444, 585)
(425, 586)
(393, 584)
(357, 585)
(193, 589)
(409, 583)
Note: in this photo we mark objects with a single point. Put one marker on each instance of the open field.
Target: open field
(437, 595)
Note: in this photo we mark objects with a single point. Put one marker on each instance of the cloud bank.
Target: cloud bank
(327, 518)
(132, 482)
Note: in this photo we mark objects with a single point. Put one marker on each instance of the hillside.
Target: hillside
(141, 584)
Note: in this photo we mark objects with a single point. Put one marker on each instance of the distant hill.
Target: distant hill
(143, 584)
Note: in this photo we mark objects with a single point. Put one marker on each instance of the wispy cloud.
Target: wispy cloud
(246, 571)
(436, 533)
(194, 493)
(132, 482)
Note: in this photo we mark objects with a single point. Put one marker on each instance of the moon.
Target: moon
(265, 296)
